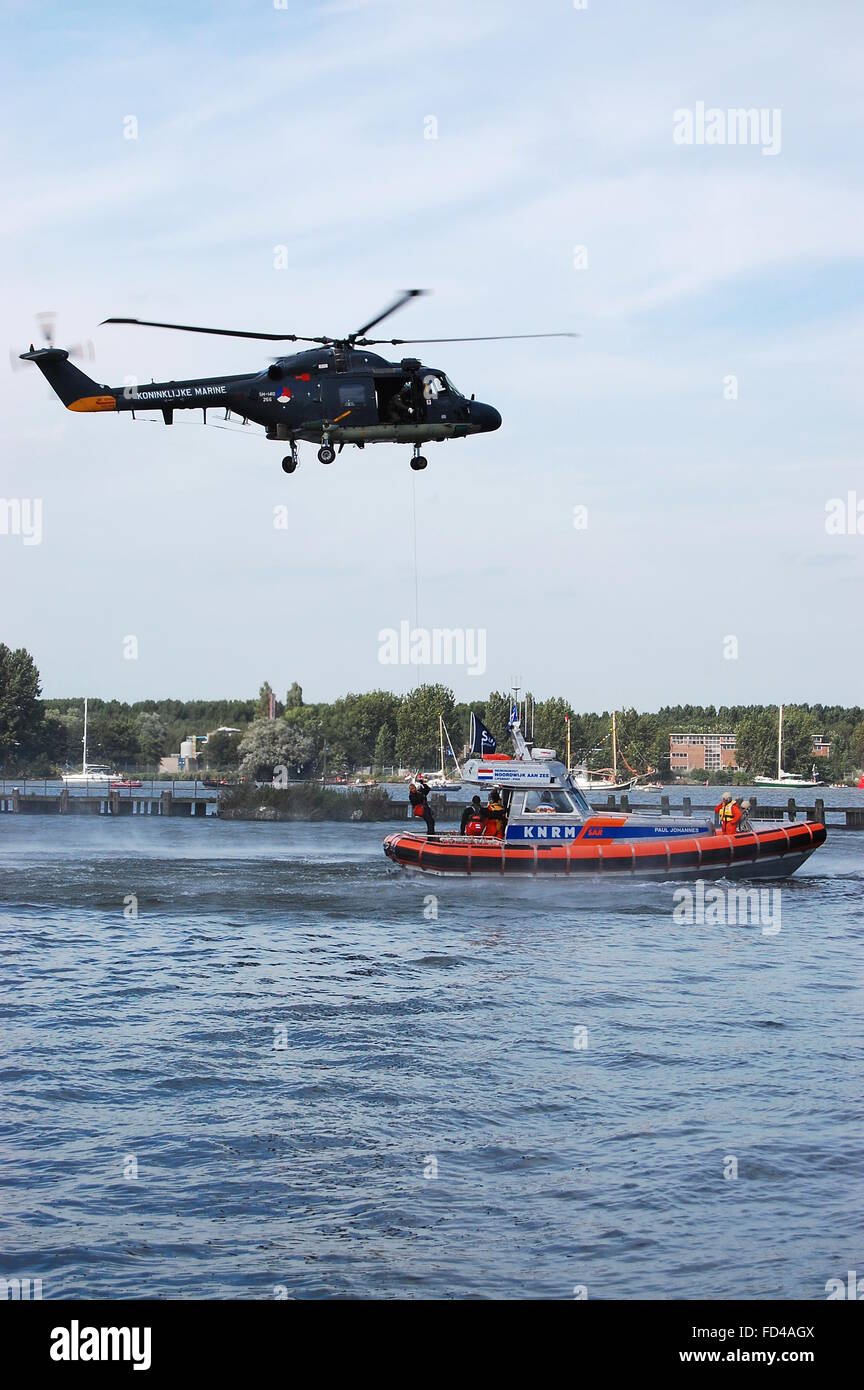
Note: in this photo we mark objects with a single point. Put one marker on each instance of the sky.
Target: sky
(704, 422)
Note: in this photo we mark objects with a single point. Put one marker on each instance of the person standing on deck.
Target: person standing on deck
(418, 795)
(495, 816)
(733, 816)
(472, 818)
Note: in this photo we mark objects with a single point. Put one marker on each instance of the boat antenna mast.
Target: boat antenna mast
(84, 740)
(520, 747)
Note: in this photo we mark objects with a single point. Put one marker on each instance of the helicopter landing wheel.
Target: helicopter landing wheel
(418, 462)
(326, 454)
(289, 463)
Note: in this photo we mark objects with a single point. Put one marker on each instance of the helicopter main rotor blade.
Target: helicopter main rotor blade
(385, 313)
(493, 338)
(221, 332)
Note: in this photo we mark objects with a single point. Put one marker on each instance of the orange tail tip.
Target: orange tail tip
(93, 403)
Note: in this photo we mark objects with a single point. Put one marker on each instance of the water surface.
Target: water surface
(288, 1043)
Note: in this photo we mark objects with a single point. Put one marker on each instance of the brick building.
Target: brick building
(692, 752)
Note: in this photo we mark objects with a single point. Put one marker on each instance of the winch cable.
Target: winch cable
(416, 572)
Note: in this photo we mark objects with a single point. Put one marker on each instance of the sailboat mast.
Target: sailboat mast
(614, 748)
(450, 746)
(84, 762)
(780, 746)
(441, 740)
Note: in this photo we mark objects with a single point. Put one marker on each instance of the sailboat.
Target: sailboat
(91, 774)
(588, 781)
(786, 779)
(439, 781)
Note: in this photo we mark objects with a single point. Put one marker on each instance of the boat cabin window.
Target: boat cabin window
(548, 801)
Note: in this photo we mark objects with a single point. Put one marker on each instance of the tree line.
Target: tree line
(380, 730)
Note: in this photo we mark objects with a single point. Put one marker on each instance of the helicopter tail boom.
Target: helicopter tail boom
(76, 390)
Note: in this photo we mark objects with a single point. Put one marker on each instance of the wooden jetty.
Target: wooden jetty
(46, 798)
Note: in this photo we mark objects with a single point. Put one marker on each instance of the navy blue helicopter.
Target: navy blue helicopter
(333, 393)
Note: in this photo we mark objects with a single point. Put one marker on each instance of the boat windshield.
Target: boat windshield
(549, 801)
(583, 805)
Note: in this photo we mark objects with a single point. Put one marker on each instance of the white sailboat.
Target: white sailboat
(786, 779)
(588, 781)
(91, 774)
(439, 781)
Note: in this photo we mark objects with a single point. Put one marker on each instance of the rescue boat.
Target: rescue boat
(551, 829)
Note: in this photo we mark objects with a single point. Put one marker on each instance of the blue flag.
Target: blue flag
(482, 742)
(514, 717)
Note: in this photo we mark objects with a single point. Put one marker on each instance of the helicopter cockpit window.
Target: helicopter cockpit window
(549, 801)
(451, 387)
(433, 386)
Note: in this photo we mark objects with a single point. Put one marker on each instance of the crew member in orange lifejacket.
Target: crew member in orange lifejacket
(729, 812)
(472, 822)
(495, 816)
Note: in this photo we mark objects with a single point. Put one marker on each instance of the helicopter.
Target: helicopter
(333, 393)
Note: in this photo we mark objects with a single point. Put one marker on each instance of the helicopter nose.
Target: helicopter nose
(486, 416)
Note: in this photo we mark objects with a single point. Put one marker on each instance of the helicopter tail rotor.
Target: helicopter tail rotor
(47, 321)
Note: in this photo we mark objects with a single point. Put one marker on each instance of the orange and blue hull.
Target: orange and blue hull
(772, 852)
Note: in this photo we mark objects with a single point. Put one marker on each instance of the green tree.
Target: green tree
(384, 747)
(496, 715)
(272, 743)
(262, 708)
(798, 729)
(68, 725)
(222, 749)
(756, 740)
(294, 698)
(417, 724)
(112, 735)
(550, 724)
(152, 737)
(22, 719)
